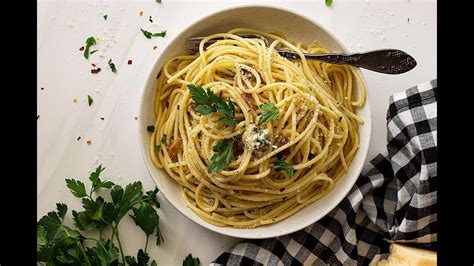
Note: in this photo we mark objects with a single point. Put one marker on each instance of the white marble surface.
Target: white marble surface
(64, 74)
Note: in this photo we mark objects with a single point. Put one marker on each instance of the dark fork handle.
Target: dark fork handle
(388, 61)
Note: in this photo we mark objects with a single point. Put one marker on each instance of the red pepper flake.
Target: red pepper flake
(129, 62)
(93, 65)
(141, 13)
(95, 71)
(81, 49)
(154, 47)
(102, 118)
(89, 142)
(79, 138)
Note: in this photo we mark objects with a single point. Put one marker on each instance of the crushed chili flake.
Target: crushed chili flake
(141, 13)
(95, 71)
(129, 62)
(102, 118)
(89, 142)
(78, 138)
(81, 49)
(154, 47)
(93, 65)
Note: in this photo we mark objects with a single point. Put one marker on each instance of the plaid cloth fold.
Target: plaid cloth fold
(394, 199)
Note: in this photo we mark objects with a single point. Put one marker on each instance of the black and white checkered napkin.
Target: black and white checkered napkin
(394, 199)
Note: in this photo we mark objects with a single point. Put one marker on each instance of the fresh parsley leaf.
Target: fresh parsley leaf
(146, 218)
(328, 2)
(207, 102)
(77, 188)
(96, 182)
(90, 100)
(93, 209)
(150, 129)
(149, 34)
(52, 221)
(282, 165)
(142, 257)
(223, 151)
(89, 42)
(159, 237)
(270, 112)
(112, 66)
(132, 193)
(163, 139)
(150, 198)
(83, 222)
(104, 253)
(105, 17)
(191, 261)
(41, 240)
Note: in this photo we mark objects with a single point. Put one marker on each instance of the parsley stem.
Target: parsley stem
(146, 243)
(119, 242)
(81, 247)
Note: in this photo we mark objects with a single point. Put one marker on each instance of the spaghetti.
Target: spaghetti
(314, 133)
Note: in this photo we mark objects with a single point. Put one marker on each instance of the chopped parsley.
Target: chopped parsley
(270, 112)
(112, 66)
(163, 139)
(158, 1)
(89, 42)
(223, 151)
(150, 129)
(93, 51)
(157, 148)
(149, 34)
(90, 100)
(105, 17)
(208, 102)
(150, 19)
(282, 165)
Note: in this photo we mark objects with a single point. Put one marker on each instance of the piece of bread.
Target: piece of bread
(402, 255)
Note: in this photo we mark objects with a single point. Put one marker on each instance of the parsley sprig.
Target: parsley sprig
(223, 151)
(58, 243)
(207, 102)
(282, 165)
(270, 112)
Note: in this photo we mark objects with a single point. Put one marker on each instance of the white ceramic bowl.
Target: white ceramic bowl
(297, 28)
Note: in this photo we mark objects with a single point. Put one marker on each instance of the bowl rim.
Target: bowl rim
(274, 233)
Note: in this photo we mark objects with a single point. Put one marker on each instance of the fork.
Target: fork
(387, 61)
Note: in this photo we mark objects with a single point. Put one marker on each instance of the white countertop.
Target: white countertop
(63, 72)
